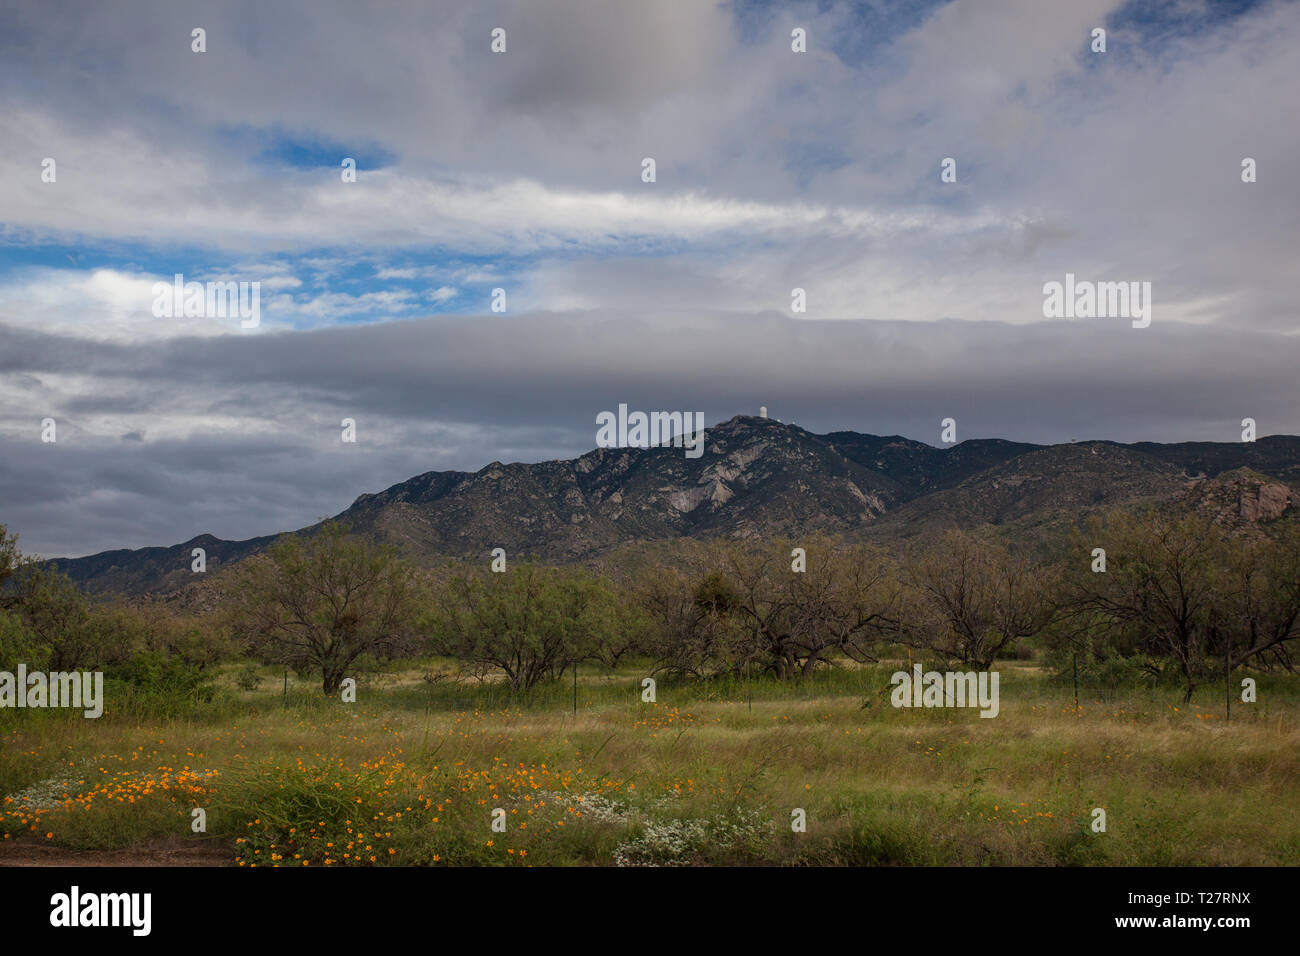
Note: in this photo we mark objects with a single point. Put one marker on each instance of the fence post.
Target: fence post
(575, 688)
(1076, 683)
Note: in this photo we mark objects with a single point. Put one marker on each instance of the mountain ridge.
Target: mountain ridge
(757, 476)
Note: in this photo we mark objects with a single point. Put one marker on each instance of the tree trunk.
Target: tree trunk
(331, 680)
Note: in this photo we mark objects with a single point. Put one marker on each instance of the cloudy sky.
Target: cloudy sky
(523, 171)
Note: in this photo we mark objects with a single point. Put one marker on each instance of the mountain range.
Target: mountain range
(759, 476)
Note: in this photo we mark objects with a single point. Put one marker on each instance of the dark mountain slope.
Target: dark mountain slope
(756, 477)
(1047, 487)
(1276, 455)
(920, 468)
(156, 569)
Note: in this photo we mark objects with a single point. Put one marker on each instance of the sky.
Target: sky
(523, 171)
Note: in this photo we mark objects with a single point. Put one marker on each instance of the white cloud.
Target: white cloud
(97, 304)
(822, 171)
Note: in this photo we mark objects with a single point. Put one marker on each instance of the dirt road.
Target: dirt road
(31, 854)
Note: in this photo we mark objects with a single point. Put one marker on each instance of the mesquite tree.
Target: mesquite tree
(527, 622)
(323, 601)
(971, 599)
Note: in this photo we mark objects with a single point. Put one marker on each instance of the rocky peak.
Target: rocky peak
(1241, 497)
(760, 476)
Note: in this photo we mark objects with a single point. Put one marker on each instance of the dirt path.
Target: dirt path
(19, 854)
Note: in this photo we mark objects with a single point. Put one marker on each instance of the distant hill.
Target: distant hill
(1044, 487)
(758, 476)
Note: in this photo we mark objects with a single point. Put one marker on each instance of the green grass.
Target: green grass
(700, 777)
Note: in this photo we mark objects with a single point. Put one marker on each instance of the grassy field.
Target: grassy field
(412, 772)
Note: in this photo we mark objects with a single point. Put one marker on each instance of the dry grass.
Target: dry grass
(682, 781)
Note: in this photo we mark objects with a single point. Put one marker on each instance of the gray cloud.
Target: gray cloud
(240, 436)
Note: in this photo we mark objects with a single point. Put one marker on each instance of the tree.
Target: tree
(152, 627)
(56, 614)
(1260, 616)
(973, 599)
(528, 622)
(323, 601)
(750, 604)
(1162, 579)
(693, 628)
(18, 646)
(846, 602)
(10, 559)
(56, 623)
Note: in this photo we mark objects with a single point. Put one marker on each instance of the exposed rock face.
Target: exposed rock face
(757, 475)
(1241, 497)
(761, 477)
(1266, 503)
